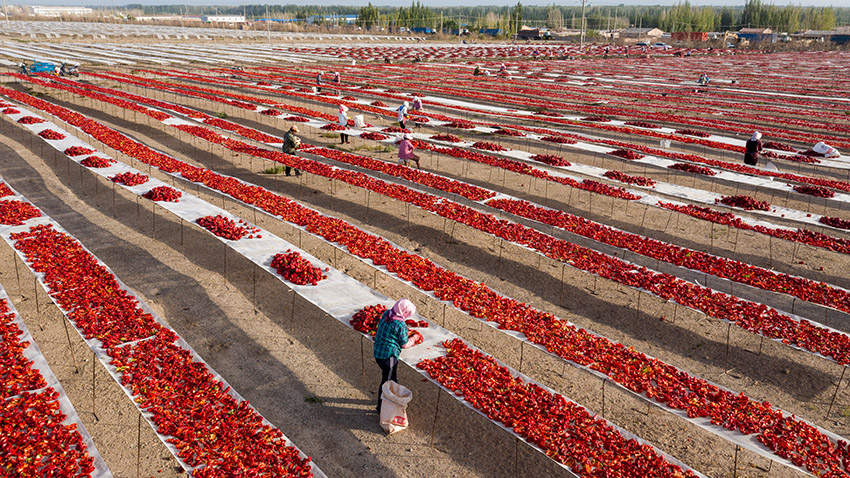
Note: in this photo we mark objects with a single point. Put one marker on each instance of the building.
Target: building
(40, 11)
(757, 35)
(223, 18)
(641, 33)
(837, 36)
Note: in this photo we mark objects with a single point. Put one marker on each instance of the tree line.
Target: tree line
(679, 17)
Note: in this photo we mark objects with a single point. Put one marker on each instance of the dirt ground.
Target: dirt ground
(301, 370)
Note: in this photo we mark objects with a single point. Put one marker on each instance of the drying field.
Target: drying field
(608, 289)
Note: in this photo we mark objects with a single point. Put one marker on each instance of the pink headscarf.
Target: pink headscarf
(402, 310)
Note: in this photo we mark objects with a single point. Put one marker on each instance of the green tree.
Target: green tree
(515, 18)
(368, 16)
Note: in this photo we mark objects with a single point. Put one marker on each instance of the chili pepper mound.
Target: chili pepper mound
(11, 111)
(460, 124)
(97, 162)
(297, 119)
(693, 132)
(818, 191)
(551, 159)
(446, 137)
(334, 127)
(829, 221)
(692, 168)
(488, 146)
(225, 227)
(5, 190)
(271, 112)
(642, 124)
(373, 136)
(78, 151)
(779, 146)
(626, 154)
(14, 213)
(366, 320)
(294, 268)
(508, 132)
(50, 134)
(31, 120)
(130, 179)
(626, 178)
(558, 139)
(744, 202)
(416, 323)
(395, 129)
(163, 193)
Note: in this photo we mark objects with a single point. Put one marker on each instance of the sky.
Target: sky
(430, 3)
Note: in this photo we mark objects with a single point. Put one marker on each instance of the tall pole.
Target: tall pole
(268, 26)
(581, 46)
(640, 29)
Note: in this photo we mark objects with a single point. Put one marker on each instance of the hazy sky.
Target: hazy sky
(431, 3)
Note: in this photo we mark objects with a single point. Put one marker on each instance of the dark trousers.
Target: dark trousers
(343, 138)
(402, 124)
(389, 366)
(288, 169)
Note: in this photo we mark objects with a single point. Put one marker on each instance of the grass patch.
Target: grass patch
(329, 135)
(221, 114)
(314, 399)
(275, 170)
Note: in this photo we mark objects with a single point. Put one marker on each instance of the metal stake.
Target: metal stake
(93, 371)
(70, 348)
(139, 447)
(837, 386)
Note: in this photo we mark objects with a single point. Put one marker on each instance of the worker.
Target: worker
(291, 143)
(477, 71)
(405, 151)
(336, 77)
(417, 104)
(23, 66)
(754, 147)
(319, 81)
(343, 121)
(392, 336)
(402, 114)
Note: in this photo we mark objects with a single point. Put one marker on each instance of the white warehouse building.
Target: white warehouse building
(42, 11)
(223, 18)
